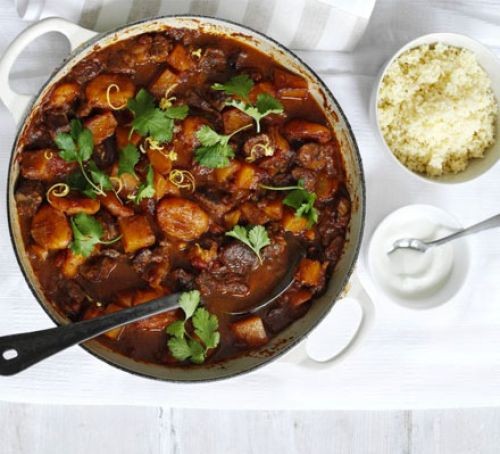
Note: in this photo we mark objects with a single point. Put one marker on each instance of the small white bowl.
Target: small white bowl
(489, 62)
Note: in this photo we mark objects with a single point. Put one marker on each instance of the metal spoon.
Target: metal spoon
(422, 246)
(20, 351)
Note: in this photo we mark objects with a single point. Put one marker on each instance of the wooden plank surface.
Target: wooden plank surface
(35, 429)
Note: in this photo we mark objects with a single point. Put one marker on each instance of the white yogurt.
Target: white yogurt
(407, 273)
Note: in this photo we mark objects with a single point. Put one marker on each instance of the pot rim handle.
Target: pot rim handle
(303, 354)
(17, 103)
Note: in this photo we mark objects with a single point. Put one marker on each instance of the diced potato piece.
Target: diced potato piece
(115, 206)
(225, 173)
(299, 297)
(63, 95)
(293, 94)
(115, 333)
(250, 331)
(182, 219)
(294, 224)
(159, 161)
(97, 92)
(74, 205)
(158, 322)
(44, 165)
(160, 185)
(163, 84)
(326, 187)
(136, 233)
(283, 79)
(273, 209)
(232, 218)
(234, 119)
(246, 177)
(72, 261)
(260, 88)
(310, 272)
(180, 59)
(306, 130)
(50, 228)
(101, 126)
(122, 134)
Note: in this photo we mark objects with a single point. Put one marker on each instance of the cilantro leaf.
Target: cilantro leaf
(238, 86)
(129, 157)
(265, 105)
(150, 120)
(85, 144)
(99, 177)
(67, 147)
(205, 327)
(189, 301)
(87, 232)
(146, 189)
(179, 348)
(181, 344)
(255, 238)
(215, 151)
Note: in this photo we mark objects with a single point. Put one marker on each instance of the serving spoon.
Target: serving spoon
(422, 246)
(20, 351)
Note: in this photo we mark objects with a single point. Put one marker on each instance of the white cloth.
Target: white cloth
(447, 357)
(301, 24)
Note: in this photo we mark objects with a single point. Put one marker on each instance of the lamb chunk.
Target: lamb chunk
(238, 258)
(213, 61)
(214, 284)
(98, 269)
(29, 197)
(305, 130)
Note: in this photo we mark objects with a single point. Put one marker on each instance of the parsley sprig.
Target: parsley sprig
(301, 200)
(241, 86)
(78, 146)
(153, 121)
(215, 150)
(255, 237)
(182, 344)
(87, 232)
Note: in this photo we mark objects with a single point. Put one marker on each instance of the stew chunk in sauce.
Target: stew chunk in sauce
(176, 162)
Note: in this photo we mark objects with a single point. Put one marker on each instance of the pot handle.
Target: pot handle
(17, 103)
(315, 351)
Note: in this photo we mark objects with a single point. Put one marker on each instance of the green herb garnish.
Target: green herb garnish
(215, 150)
(87, 232)
(255, 238)
(146, 189)
(264, 106)
(77, 146)
(152, 121)
(129, 157)
(237, 86)
(181, 344)
(301, 200)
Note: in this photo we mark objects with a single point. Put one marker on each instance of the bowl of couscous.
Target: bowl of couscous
(435, 105)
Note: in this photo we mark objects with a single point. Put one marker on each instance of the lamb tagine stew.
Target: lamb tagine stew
(176, 161)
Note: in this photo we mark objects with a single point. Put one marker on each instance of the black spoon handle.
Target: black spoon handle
(20, 351)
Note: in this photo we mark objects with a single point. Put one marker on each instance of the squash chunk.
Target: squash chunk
(273, 209)
(179, 59)
(182, 219)
(223, 174)
(163, 84)
(113, 204)
(136, 233)
(101, 126)
(310, 272)
(63, 95)
(44, 165)
(159, 161)
(122, 134)
(50, 228)
(234, 119)
(250, 331)
(246, 177)
(97, 91)
(294, 224)
(72, 261)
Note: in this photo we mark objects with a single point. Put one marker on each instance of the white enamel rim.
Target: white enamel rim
(490, 63)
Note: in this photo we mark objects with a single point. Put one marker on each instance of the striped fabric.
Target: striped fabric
(299, 24)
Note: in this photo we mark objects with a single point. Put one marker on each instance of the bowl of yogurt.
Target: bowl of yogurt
(419, 280)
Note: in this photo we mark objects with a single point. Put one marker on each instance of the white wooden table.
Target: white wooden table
(34, 429)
